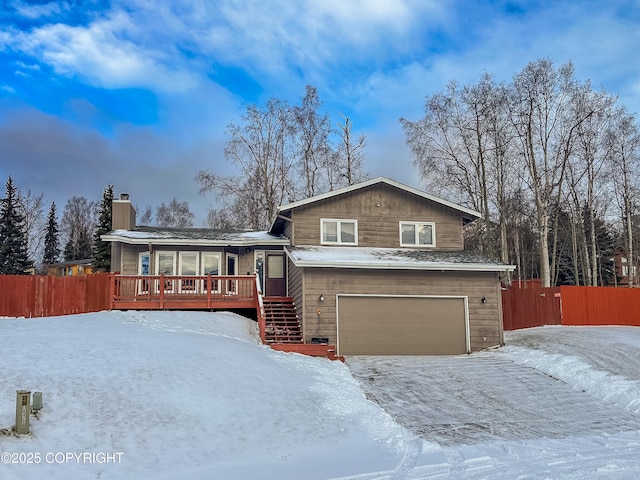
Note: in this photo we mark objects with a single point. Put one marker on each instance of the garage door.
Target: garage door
(378, 325)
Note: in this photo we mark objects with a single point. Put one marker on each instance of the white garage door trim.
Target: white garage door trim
(465, 299)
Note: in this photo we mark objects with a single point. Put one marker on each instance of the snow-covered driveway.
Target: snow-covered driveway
(483, 397)
(547, 383)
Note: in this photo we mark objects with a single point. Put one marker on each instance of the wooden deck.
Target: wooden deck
(192, 292)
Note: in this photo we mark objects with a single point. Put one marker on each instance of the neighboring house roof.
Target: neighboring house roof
(392, 258)
(467, 214)
(84, 262)
(193, 236)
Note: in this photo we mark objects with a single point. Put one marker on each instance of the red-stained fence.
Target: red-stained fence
(600, 306)
(45, 296)
(533, 307)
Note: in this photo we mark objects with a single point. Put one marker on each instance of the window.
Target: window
(259, 266)
(338, 232)
(144, 261)
(416, 234)
(166, 265)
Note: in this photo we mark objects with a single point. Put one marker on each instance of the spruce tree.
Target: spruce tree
(14, 258)
(51, 238)
(102, 249)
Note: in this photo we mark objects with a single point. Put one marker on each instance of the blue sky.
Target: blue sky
(138, 93)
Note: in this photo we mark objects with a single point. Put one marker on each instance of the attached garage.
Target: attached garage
(402, 325)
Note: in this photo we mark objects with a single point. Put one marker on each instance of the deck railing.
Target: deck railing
(183, 291)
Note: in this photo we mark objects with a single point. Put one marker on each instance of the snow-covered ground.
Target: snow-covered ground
(172, 395)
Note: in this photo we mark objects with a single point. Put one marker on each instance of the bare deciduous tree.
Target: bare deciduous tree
(261, 148)
(348, 168)
(146, 217)
(462, 143)
(312, 132)
(33, 209)
(623, 142)
(175, 214)
(77, 227)
(546, 129)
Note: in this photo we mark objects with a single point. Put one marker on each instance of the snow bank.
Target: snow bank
(177, 392)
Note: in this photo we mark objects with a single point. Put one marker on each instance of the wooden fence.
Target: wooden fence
(45, 296)
(534, 307)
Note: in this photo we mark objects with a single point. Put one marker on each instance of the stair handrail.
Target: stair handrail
(262, 323)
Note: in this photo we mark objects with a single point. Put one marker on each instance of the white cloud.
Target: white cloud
(170, 46)
(31, 11)
(8, 88)
(105, 55)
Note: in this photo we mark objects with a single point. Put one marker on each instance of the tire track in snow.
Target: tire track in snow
(412, 450)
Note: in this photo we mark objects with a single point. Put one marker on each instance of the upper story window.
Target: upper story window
(339, 232)
(417, 234)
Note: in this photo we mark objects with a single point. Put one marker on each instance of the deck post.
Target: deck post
(209, 289)
(162, 291)
(112, 290)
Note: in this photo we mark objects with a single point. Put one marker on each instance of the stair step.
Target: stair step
(282, 324)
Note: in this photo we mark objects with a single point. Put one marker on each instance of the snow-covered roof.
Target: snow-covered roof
(468, 213)
(392, 258)
(194, 236)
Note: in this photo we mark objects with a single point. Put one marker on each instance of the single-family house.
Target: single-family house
(374, 268)
(624, 270)
(70, 268)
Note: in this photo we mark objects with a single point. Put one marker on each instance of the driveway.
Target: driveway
(482, 397)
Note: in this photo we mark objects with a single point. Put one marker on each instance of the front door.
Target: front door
(211, 266)
(232, 269)
(275, 284)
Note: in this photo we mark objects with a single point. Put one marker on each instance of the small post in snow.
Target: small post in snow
(23, 410)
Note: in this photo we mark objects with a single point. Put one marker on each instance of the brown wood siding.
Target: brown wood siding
(378, 210)
(130, 259)
(246, 262)
(484, 319)
(295, 288)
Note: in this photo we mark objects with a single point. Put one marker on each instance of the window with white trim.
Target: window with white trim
(417, 234)
(338, 232)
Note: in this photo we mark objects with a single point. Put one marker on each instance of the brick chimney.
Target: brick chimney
(123, 215)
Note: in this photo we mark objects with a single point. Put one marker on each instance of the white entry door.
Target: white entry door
(211, 266)
(188, 265)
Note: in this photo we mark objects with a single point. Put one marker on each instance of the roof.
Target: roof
(193, 236)
(83, 262)
(393, 258)
(467, 213)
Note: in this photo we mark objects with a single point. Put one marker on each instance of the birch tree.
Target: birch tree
(543, 120)
(348, 160)
(32, 206)
(463, 145)
(314, 151)
(623, 142)
(175, 214)
(260, 147)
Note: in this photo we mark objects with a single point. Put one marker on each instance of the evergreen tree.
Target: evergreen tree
(102, 249)
(14, 258)
(51, 238)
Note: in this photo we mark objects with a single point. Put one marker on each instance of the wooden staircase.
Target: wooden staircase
(282, 330)
(281, 320)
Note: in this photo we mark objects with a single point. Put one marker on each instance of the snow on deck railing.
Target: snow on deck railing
(154, 288)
